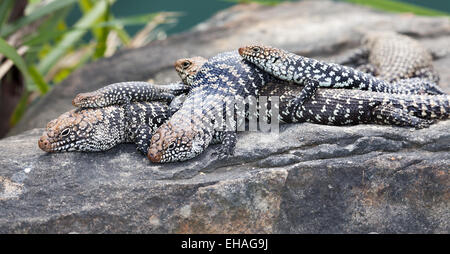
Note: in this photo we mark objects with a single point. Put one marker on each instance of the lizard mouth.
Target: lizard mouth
(49, 145)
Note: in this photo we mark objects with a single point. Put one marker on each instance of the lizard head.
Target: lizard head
(88, 100)
(76, 130)
(171, 143)
(187, 68)
(265, 57)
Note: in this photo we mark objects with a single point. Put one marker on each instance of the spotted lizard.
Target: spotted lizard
(117, 113)
(106, 119)
(222, 78)
(313, 74)
(391, 56)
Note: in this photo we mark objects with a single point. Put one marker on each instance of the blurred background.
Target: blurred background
(44, 41)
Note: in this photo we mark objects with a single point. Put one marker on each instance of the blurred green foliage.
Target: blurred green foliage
(386, 5)
(262, 2)
(46, 50)
(395, 6)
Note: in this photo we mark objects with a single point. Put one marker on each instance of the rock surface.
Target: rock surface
(309, 179)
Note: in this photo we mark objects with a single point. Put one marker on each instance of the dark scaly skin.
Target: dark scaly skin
(314, 74)
(221, 80)
(125, 92)
(391, 56)
(107, 117)
(328, 106)
(348, 107)
(100, 129)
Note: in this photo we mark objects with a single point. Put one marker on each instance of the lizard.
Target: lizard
(222, 80)
(108, 104)
(344, 107)
(314, 74)
(98, 128)
(391, 56)
(186, 136)
(107, 117)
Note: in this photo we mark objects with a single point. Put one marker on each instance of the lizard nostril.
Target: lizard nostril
(154, 155)
(241, 51)
(44, 144)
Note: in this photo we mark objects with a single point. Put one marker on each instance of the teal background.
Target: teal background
(196, 11)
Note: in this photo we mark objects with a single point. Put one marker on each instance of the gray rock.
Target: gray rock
(308, 179)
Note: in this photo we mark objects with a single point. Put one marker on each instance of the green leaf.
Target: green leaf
(39, 81)
(72, 37)
(35, 15)
(12, 54)
(48, 30)
(64, 73)
(5, 7)
(262, 2)
(135, 20)
(116, 24)
(29, 73)
(20, 109)
(101, 34)
(394, 6)
(123, 35)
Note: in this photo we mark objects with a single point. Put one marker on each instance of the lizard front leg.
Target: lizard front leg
(228, 145)
(176, 104)
(142, 139)
(125, 92)
(307, 92)
(354, 57)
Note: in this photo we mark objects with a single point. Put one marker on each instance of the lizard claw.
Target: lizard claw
(295, 105)
(424, 124)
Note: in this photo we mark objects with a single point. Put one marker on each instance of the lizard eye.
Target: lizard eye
(186, 64)
(65, 132)
(256, 50)
(172, 146)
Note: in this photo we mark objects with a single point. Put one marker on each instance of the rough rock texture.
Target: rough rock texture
(309, 179)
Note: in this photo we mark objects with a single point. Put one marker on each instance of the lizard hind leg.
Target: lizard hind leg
(419, 86)
(229, 139)
(427, 73)
(386, 114)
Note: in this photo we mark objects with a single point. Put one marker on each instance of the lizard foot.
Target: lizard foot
(222, 153)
